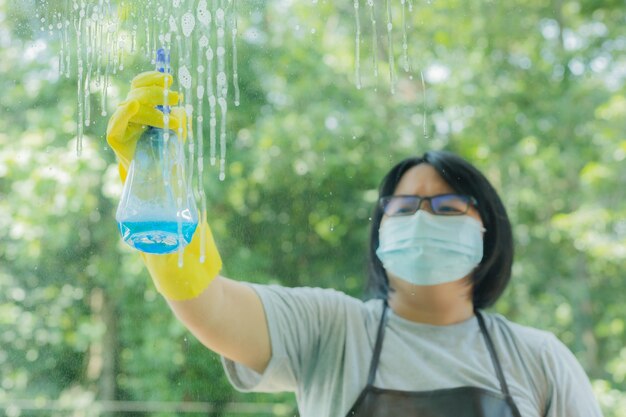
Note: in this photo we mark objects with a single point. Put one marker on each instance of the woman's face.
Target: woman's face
(423, 180)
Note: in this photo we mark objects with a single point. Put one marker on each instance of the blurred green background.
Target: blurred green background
(532, 92)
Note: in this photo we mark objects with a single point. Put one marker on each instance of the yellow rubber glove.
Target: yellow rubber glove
(125, 127)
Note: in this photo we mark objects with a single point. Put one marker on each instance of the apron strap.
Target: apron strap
(380, 335)
(493, 354)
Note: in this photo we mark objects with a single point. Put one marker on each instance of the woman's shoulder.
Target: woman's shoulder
(557, 378)
(524, 338)
(541, 342)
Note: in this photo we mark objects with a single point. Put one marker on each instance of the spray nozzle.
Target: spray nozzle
(163, 65)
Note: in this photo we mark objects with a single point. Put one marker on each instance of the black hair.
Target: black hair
(492, 275)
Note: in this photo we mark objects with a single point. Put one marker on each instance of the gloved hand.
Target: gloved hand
(138, 111)
(124, 129)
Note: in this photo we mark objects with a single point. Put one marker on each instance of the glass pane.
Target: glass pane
(296, 111)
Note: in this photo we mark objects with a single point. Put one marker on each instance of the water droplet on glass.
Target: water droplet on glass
(173, 25)
(188, 23)
(184, 77)
(204, 16)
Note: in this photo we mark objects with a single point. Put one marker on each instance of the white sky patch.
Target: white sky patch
(34, 49)
(600, 63)
(549, 28)
(437, 73)
(331, 123)
(576, 66)
(571, 40)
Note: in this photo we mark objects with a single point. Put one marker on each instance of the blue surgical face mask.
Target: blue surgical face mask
(426, 249)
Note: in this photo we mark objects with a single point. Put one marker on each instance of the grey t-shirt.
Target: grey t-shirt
(322, 342)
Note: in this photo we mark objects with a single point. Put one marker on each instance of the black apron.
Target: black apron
(452, 402)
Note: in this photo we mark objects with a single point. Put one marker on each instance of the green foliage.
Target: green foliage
(530, 91)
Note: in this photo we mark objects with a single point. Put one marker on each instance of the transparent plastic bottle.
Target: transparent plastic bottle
(150, 216)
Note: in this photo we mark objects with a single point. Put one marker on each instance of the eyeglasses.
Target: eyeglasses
(443, 204)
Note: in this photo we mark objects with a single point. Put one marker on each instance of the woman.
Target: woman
(440, 252)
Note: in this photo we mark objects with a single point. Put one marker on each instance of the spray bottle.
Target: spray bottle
(157, 212)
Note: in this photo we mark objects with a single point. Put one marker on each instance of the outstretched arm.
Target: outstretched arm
(229, 319)
(226, 316)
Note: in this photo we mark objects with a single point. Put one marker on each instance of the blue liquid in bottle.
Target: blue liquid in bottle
(159, 237)
(150, 216)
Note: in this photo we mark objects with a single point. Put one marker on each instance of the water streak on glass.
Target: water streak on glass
(357, 46)
(78, 26)
(405, 43)
(392, 81)
(424, 121)
(221, 84)
(370, 3)
(233, 14)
